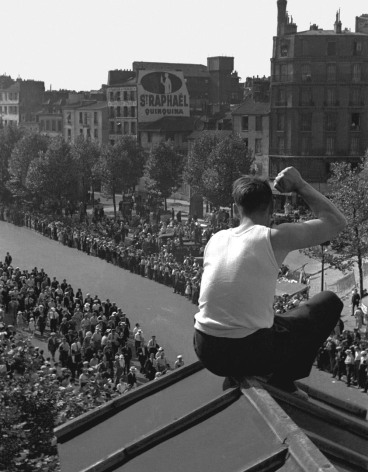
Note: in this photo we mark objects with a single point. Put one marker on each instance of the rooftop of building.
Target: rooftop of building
(194, 70)
(321, 32)
(87, 104)
(252, 107)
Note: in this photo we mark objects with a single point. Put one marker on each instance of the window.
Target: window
(284, 50)
(47, 125)
(126, 127)
(88, 133)
(281, 145)
(305, 48)
(306, 96)
(118, 96)
(354, 146)
(331, 72)
(95, 133)
(85, 118)
(125, 111)
(118, 127)
(59, 125)
(306, 143)
(331, 48)
(355, 122)
(244, 123)
(306, 73)
(132, 95)
(69, 118)
(95, 118)
(357, 72)
(330, 145)
(81, 131)
(258, 123)
(112, 127)
(281, 97)
(112, 114)
(133, 127)
(331, 97)
(69, 134)
(284, 72)
(258, 146)
(53, 125)
(80, 117)
(149, 137)
(125, 95)
(306, 122)
(111, 96)
(356, 97)
(281, 122)
(357, 48)
(132, 111)
(118, 111)
(330, 122)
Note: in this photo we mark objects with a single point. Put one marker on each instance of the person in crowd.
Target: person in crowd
(355, 300)
(52, 345)
(179, 362)
(238, 334)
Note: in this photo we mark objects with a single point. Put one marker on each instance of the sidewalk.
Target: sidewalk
(295, 260)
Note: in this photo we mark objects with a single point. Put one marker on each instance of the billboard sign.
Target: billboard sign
(160, 94)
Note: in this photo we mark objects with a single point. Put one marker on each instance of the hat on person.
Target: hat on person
(132, 369)
(180, 356)
(363, 353)
(53, 334)
(160, 348)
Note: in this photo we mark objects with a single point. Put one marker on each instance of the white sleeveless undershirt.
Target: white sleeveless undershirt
(238, 283)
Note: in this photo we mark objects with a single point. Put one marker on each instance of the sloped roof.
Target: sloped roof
(252, 107)
(189, 419)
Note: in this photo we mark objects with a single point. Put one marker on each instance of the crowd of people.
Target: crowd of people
(90, 342)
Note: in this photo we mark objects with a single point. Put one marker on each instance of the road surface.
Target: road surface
(159, 311)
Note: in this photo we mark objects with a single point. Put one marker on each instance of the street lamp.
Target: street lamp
(327, 243)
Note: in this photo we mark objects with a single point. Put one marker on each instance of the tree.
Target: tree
(86, 154)
(215, 161)
(9, 136)
(349, 192)
(120, 167)
(25, 151)
(53, 174)
(198, 159)
(164, 169)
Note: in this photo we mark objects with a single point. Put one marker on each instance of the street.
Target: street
(158, 310)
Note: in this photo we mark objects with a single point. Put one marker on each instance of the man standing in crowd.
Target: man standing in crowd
(236, 331)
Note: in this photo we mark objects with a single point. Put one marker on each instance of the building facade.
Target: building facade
(251, 123)
(319, 97)
(88, 118)
(122, 104)
(19, 103)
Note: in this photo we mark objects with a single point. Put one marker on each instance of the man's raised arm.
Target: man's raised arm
(328, 221)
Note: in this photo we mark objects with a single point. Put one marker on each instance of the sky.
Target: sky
(72, 44)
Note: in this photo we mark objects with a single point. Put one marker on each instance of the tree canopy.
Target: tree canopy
(214, 163)
(120, 167)
(349, 191)
(53, 174)
(164, 169)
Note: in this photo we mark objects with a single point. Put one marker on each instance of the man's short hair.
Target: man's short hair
(252, 194)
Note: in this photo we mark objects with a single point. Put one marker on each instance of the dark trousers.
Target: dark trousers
(287, 349)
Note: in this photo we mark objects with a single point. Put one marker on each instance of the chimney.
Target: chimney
(281, 17)
(338, 24)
